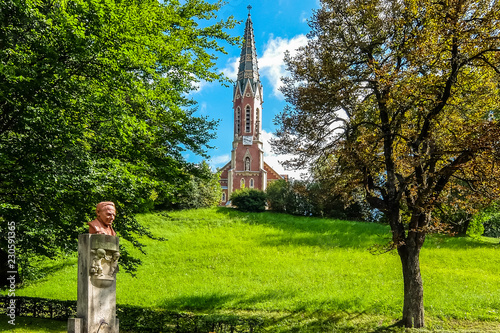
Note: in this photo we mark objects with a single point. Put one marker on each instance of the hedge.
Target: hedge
(138, 319)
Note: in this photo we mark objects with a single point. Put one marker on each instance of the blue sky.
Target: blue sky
(278, 26)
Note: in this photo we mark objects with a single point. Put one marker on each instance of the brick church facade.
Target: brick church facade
(247, 167)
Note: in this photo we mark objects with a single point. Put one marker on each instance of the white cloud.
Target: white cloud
(231, 69)
(198, 86)
(276, 161)
(271, 64)
(203, 108)
(219, 161)
(304, 16)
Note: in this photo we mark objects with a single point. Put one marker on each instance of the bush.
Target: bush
(492, 226)
(476, 228)
(139, 319)
(249, 200)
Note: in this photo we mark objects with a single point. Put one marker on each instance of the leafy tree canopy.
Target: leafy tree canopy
(94, 107)
(200, 191)
(397, 98)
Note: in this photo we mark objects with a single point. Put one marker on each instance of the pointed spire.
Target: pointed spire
(248, 69)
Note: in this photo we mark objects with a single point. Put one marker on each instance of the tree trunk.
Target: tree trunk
(413, 306)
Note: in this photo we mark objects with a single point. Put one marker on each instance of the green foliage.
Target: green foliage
(139, 319)
(476, 228)
(249, 200)
(458, 219)
(94, 108)
(488, 221)
(201, 191)
(311, 198)
(278, 195)
(492, 226)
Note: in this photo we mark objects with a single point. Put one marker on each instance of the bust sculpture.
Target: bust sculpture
(106, 214)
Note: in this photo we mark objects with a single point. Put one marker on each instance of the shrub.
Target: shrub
(249, 200)
(476, 228)
(492, 226)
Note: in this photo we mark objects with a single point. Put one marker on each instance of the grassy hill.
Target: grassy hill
(223, 260)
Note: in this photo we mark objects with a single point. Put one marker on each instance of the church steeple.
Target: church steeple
(247, 167)
(248, 70)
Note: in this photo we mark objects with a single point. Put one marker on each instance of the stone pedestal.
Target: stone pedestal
(97, 267)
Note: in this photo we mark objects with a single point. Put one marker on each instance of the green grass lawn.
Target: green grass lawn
(220, 259)
(315, 322)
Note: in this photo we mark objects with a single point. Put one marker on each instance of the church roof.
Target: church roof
(271, 173)
(248, 70)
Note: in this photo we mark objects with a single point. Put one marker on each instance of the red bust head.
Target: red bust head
(106, 214)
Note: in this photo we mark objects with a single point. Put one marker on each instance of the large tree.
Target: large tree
(397, 98)
(94, 107)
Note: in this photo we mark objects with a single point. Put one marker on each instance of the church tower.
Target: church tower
(247, 168)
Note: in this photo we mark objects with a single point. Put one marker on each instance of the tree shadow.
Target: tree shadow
(325, 232)
(459, 242)
(251, 302)
(338, 322)
(214, 301)
(313, 231)
(197, 302)
(46, 271)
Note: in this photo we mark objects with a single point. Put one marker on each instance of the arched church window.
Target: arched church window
(242, 183)
(257, 121)
(247, 163)
(223, 196)
(247, 119)
(251, 183)
(238, 120)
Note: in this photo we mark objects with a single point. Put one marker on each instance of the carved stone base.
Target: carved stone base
(97, 267)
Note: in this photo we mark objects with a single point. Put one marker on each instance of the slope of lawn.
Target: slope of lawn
(221, 259)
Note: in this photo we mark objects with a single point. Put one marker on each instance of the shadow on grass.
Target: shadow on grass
(45, 271)
(324, 232)
(311, 231)
(197, 302)
(337, 322)
(216, 301)
(32, 325)
(261, 301)
(298, 322)
(460, 242)
(256, 301)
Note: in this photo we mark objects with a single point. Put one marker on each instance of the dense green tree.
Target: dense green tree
(278, 193)
(94, 107)
(312, 198)
(201, 191)
(397, 96)
(491, 223)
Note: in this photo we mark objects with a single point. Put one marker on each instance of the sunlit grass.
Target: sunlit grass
(220, 259)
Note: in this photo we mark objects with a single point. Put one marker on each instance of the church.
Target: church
(247, 168)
